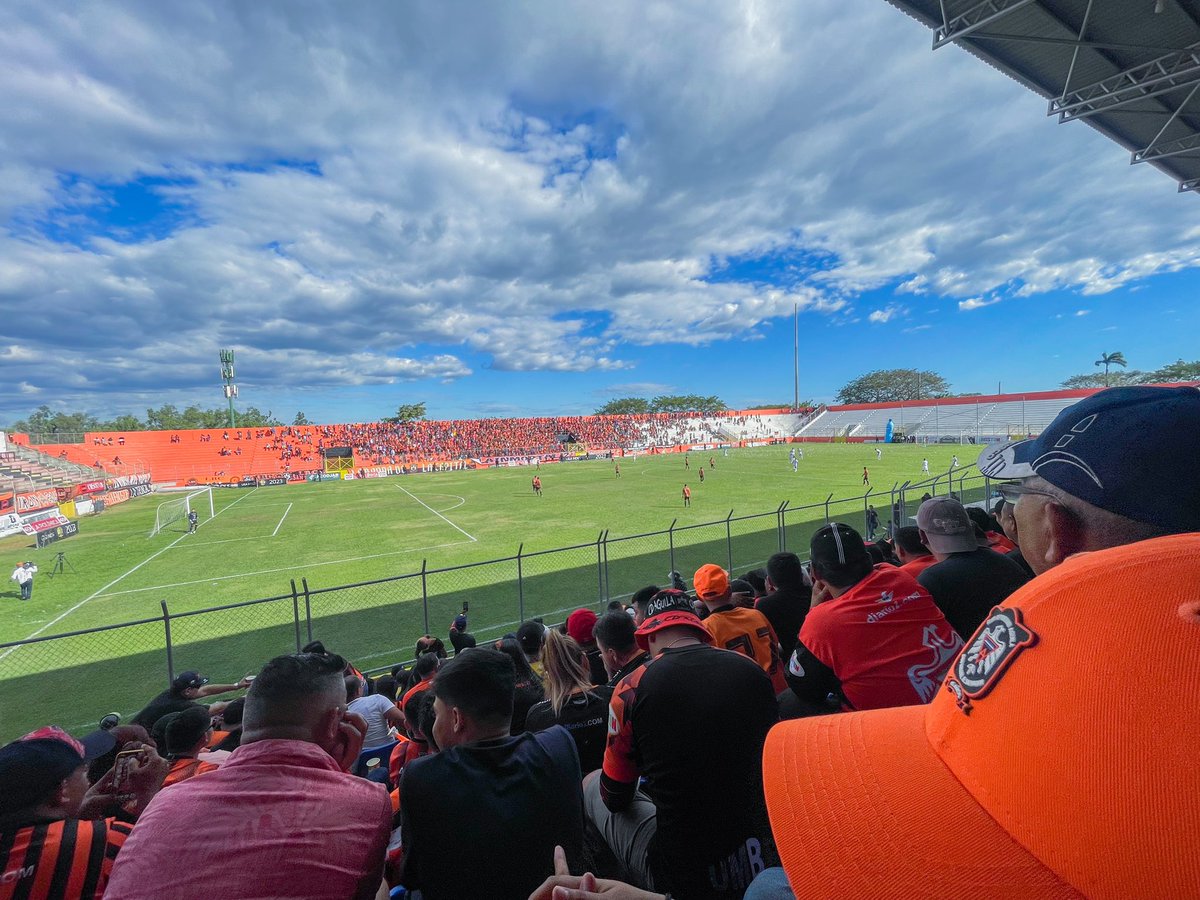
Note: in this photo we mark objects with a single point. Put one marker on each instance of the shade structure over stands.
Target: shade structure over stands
(1128, 69)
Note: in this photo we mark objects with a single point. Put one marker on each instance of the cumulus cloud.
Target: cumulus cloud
(338, 194)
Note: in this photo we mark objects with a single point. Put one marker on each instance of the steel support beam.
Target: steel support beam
(1191, 184)
(978, 16)
(1141, 82)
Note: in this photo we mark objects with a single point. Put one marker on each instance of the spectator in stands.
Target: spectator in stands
(914, 556)
(758, 580)
(987, 530)
(703, 834)
(228, 736)
(528, 688)
(572, 701)
(580, 625)
(873, 637)
(741, 593)
(282, 812)
(380, 713)
(417, 744)
(187, 733)
(787, 600)
(460, 639)
(420, 677)
(514, 797)
(532, 636)
(429, 644)
(619, 650)
(968, 579)
(747, 631)
(54, 839)
(185, 690)
(991, 783)
(1104, 473)
(639, 600)
(1008, 523)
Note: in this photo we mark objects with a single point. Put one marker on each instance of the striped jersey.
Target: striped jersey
(61, 860)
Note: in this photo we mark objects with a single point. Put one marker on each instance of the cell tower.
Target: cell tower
(230, 387)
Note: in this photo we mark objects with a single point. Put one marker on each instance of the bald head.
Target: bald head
(293, 697)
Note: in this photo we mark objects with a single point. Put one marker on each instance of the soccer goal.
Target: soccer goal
(173, 510)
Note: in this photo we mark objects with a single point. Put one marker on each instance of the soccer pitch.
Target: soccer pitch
(340, 533)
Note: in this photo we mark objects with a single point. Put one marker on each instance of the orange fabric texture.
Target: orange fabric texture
(1057, 760)
(747, 631)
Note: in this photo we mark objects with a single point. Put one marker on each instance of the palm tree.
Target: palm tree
(1111, 359)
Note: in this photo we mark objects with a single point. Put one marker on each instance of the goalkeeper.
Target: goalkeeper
(193, 521)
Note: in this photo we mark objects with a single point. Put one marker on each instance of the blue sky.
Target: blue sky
(525, 209)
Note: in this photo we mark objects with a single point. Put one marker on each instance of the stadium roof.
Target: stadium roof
(1128, 68)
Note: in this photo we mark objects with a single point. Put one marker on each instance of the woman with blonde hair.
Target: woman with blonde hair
(573, 702)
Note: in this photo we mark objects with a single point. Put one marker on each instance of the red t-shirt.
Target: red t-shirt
(885, 640)
(915, 567)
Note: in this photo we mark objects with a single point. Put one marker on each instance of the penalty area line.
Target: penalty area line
(121, 578)
(281, 518)
(332, 562)
(472, 538)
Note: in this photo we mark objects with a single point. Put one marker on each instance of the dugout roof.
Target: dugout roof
(1128, 68)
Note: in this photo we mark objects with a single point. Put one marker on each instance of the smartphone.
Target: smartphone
(123, 768)
(465, 605)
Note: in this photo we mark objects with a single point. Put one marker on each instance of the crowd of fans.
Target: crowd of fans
(995, 701)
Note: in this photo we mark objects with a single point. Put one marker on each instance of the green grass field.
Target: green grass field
(340, 533)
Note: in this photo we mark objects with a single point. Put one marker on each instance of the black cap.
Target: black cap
(186, 680)
(838, 547)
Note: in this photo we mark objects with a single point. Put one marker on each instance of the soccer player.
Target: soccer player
(795, 465)
(925, 466)
(712, 462)
(702, 474)
(686, 463)
(617, 470)
(193, 521)
(800, 453)
(878, 453)
(537, 485)
(866, 476)
(687, 496)
(954, 463)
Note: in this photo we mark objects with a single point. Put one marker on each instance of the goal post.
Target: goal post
(180, 507)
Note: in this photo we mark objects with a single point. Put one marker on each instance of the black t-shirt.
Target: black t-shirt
(585, 715)
(785, 610)
(461, 640)
(525, 695)
(966, 586)
(692, 722)
(481, 821)
(1015, 556)
(164, 703)
(635, 663)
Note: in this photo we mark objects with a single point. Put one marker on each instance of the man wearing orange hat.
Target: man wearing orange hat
(691, 722)
(737, 628)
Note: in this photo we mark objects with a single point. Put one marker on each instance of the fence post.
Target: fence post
(781, 525)
(296, 613)
(170, 651)
(729, 541)
(520, 585)
(425, 594)
(827, 499)
(307, 609)
(599, 572)
(671, 542)
(607, 586)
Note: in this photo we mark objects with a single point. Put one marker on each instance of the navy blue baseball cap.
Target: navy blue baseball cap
(1124, 450)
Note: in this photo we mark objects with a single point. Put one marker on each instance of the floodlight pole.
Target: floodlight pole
(230, 388)
(796, 357)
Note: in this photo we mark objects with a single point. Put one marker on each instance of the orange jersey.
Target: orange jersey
(67, 858)
(183, 769)
(748, 631)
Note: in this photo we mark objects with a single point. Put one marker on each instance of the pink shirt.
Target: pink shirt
(278, 820)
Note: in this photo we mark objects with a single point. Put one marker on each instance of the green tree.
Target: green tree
(251, 417)
(407, 412)
(893, 385)
(687, 403)
(625, 406)
(301, 419)
(1115, 379)
(1177, 371)
(45, 421)
(1111, 359)
(124, 422)
(788, 405)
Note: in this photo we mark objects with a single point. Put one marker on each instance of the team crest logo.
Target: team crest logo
(886, 597)
(999, 641)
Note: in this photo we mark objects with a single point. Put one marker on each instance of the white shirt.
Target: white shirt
(23, 574)
(374, 710)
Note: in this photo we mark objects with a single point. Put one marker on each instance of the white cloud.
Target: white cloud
(976, 303)
(1082, 312)
(887, 314)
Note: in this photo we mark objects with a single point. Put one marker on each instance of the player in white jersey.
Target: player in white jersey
(878, 453)
(925, 466)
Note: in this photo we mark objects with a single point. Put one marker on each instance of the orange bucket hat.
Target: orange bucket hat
(1059, 758)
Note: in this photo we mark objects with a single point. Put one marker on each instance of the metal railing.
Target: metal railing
(76, 677)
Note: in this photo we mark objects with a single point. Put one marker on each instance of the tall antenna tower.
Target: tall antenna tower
(230, 387)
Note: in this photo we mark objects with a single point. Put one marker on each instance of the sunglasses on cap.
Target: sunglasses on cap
(1012, 492)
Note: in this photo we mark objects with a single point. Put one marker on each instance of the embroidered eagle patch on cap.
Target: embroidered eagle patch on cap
(999, 641)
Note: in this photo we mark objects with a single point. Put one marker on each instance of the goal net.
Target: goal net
(173, 510)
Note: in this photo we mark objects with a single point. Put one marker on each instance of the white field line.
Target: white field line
(332, 562)
(281, 518)
(120, 578)
(438, 514)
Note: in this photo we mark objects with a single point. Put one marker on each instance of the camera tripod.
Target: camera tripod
(60, 563)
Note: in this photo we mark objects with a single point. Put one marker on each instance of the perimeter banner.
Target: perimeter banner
(35, 500)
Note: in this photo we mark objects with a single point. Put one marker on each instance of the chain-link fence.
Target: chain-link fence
(74, 679)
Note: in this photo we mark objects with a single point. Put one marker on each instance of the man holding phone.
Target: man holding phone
(266, 813)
